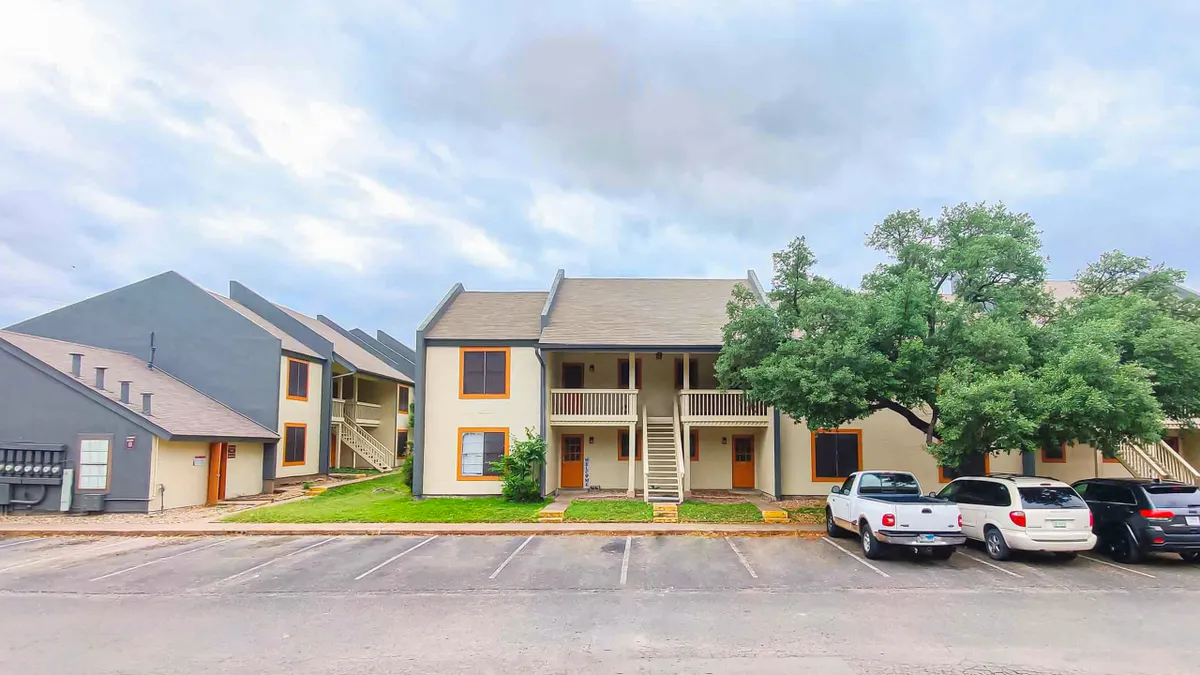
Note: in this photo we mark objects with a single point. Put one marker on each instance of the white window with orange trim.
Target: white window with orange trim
(478, 449)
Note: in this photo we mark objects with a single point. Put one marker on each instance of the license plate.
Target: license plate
(1062, 524)
(1194, 521)
(928, 537)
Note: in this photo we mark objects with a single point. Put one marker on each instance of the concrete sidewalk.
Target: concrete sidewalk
(509, 529)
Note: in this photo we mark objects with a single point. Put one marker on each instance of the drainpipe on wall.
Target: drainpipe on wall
(542, 422)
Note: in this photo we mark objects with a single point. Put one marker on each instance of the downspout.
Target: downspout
(1028, 463)
(419, 420)
(542, 422)
(778, 456)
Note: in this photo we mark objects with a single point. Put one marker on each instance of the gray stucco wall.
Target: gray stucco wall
(197, 338)
(35, 408)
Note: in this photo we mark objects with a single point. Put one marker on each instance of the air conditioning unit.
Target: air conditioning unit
(90, 502)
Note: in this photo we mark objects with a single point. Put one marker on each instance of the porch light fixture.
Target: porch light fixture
(658, 356)
(591, 440)
(592, 368)
(724, 440)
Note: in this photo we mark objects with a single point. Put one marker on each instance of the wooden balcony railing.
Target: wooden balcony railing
(339, 410)
(358, 411)
(593, 406)
(711, 406)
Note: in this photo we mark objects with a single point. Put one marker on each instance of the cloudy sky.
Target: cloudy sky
(356, 158)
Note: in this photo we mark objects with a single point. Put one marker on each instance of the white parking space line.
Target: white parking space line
(509, 558)
(625, 560)
(984, 562)
(741, 558)
(18, 543)
(272, 561)
(394, 558)
(843, 550)
(157, 560)
(69, 554)
(1102, 562)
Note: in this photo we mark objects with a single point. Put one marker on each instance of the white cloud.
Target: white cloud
(112, 207)
(32, 287)
(581, 216)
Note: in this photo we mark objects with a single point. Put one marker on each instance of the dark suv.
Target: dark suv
(1136, 516)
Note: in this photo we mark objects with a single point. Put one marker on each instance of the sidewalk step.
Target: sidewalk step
(775, 516)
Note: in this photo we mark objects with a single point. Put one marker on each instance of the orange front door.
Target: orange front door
(572, 461)
(743, 462)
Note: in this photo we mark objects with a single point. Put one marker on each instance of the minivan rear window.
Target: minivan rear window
(1051, 498)
(1174, 496)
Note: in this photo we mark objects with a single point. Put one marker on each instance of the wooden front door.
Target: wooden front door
(743, 462)
(572, 461)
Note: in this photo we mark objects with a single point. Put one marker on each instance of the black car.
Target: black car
(1136, 516)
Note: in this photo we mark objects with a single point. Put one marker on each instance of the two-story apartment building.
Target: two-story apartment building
(277, 367)
(618, 376)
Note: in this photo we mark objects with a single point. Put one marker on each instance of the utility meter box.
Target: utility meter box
(89, 502)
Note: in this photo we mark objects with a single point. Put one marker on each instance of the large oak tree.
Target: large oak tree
(958, 335)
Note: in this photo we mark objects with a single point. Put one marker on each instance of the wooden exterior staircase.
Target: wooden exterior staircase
(365, 445)
(663, 466)
(1157, 460)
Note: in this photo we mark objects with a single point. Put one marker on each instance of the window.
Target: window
(572, 448)
(694, 445)
(401, 443)
(836, 453)
(888, 484)
(693, 374)
(572, 376)
(975, 465)
(1050, 498)
(623, 374)
(1056, 455)
(477, 450)
(623, 445)
(94, 455)
(1112, 494)
(847, 486)
(1173, 496)
(404, 393)
(994, 494)
(485, 372)
(952, 491)
(297, 382)
(295, 442)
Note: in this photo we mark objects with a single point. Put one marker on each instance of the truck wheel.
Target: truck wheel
(1125, 548)
(871, 546)
(997, 548)
(941, 552)
(831, 527)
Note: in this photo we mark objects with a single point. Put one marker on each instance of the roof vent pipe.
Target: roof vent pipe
(146, 403)
(76, 364)
(100, 377)
(125, 391)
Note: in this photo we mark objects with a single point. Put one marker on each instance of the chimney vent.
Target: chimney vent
(100, 377)
(77, 364)
(125, 391)
(146, 403)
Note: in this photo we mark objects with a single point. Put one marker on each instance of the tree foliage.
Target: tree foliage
(957, 333)
(520, 469)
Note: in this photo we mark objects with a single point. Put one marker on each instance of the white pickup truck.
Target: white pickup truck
(886, 508)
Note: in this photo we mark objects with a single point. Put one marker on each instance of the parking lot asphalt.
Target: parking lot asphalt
(579, 604)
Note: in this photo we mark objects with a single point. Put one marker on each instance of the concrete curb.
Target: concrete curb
(421, 529)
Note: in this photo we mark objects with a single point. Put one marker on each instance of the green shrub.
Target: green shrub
(406, 469)
(521, 467)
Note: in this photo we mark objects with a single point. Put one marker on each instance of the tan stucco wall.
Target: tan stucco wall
(186, 484)
(1189, 445)
(714, 469)
(445, 413)
(243, 473)
(1083, 461)
(658, 376)
(300, 412)
(605, 471)
(888, 442)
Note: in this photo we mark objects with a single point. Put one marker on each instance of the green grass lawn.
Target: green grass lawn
(609, 511)
(810, 515)
(701, 512)
(369, 472)
(359, 503)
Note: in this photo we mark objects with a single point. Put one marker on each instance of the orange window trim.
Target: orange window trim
(1109, 460)
(1051, 460)
(637, 373)
(304, 448)
(695, 448)
(462, 372)
(637, 453)
(987, 468)
(479, 430)
(288, 391)
(813, 453)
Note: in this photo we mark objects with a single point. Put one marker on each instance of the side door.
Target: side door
(970, 505)
(839, 503)
(951, 493)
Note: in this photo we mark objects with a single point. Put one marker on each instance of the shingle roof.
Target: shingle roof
(288, 342)
(649, 312)
(175, 406)
(349, 350)
(491, 315)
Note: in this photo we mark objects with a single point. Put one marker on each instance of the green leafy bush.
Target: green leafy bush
(406, 469)
(521, 468)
